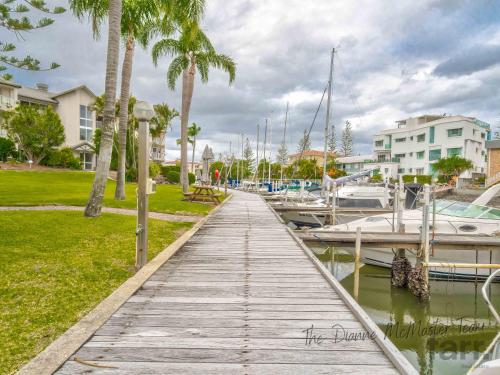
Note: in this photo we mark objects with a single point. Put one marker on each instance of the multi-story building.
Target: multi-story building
(73, 107)
(493, 168)
(318, 156)
(417, 143)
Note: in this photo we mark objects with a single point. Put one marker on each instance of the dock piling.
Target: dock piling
(357, 257)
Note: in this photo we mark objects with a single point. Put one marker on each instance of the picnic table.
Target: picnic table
(203, 193)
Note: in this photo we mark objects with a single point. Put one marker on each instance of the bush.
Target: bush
(170, 168)
(154, 170)
(421, 179)
(7, 148)
(62, 158)
(376, 178)
(173, 177)
(191, 178)
(131, 175)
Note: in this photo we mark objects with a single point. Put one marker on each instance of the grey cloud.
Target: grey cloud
(469, 61)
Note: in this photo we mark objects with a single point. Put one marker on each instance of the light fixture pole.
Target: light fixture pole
(144, 112)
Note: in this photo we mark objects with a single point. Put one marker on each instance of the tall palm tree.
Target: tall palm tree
(114, 12)
(192, 52)
(193, 131)
(162, 121)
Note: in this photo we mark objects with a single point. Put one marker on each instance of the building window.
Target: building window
(421, 138)
(399, 156)
(401, 170)
(432, 131)
(420, 155)
(419, 171)
(86, 160)
(86, 127)
(379, 143)
(411, 154)
(411, 138)
(381, 158)
(482, 135)
(399, 140)
(455, 132)
(457, 151)
(410, 170)
(434, 154)
(386, 170)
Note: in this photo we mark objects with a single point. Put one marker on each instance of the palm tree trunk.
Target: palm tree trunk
(192, 157)
(187, 96)
(94, 203)
(123, 124)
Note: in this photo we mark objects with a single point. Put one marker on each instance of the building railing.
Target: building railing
(387, 147)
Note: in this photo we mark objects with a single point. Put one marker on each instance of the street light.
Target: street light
(144, 112)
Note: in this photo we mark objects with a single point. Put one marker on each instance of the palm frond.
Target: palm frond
(95, 11)
(175, 70)
(223, 62)
(165, 47)
(202, 64)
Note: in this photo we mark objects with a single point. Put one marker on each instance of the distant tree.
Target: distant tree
(248, 157)
(305, 142)
(452, 167)
(193, 131)
(36, 131)
(162, 120)
(346, 148)
(332, 141)
(14, 18)
(282, 157)
(304, 168)
(7, 148)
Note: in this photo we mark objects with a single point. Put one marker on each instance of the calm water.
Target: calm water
(444, 336)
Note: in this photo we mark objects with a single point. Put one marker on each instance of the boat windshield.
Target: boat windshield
(463, 209)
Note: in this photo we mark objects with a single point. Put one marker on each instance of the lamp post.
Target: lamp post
(144, 112)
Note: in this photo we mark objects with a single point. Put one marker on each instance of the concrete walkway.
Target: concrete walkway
(120, 211)
(240, 297)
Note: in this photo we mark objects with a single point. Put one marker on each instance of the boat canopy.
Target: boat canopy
(328, 181)
(463, 209)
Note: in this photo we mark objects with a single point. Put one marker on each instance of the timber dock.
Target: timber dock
(237, 298)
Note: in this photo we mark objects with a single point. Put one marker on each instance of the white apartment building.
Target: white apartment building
(419, 142)
(73, 107)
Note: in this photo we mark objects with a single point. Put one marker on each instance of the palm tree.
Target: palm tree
(162, 121)
(193, 131)
(114, 12)
(452, 167)
(191, 52)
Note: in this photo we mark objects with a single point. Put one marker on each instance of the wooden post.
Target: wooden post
(400, 207)
(357, 256)
(334, 203)
(141, 249)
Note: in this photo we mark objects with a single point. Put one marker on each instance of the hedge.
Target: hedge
(421, 179)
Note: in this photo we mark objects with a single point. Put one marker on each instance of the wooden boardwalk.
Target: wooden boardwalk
(236, 299)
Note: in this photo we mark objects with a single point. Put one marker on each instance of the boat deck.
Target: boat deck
(236, 299)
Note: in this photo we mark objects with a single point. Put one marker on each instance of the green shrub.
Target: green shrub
(131, 175)
(421, 179)
(191, 178)
(173, 177)
(62, 158)
(443, 179)
(376, 178)
(170, 168)
(7, 149)
(154, 170)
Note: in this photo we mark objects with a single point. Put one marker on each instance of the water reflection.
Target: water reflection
(444, 336)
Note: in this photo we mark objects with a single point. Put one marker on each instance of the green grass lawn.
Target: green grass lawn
(56, 266)
(30, 188)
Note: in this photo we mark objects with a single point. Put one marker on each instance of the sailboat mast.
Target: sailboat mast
(270, 148)
(257, 157)
(284, 143)
(264, 152)
(328, 105)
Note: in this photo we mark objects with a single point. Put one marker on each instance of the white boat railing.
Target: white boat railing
(496, 340)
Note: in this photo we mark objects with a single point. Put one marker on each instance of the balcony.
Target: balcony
(387, 147)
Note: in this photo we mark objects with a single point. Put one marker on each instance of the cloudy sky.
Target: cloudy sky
(394, 59)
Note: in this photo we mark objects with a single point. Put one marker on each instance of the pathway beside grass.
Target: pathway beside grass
(120, 211)
(34, 188)
(55, 266)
